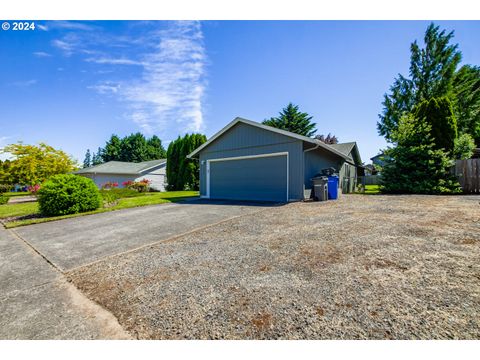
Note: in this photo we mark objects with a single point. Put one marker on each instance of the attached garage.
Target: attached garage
(247, 160)
(262, 177)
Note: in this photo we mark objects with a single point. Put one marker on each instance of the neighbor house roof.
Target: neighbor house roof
(237, 120)
(121, 167)
(347, 148)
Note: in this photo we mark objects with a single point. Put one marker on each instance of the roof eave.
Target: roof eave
(268, 128)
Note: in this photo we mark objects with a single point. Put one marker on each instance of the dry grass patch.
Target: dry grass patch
(378, 267)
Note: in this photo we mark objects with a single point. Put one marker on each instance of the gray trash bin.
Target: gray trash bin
(320, 188)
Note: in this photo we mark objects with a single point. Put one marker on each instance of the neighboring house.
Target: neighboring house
(379, 159)
(247, 160)
(350, 170)
(119, 171)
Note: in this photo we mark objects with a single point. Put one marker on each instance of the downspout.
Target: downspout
(303, 170)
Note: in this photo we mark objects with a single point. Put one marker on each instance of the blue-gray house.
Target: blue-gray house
(247, 160)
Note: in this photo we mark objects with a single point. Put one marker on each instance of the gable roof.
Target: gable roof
(347, 148)
(122, 167)
(237, 120)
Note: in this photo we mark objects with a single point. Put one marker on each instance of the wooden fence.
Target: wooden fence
(468, 174)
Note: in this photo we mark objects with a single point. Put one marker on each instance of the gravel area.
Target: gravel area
(362, 267)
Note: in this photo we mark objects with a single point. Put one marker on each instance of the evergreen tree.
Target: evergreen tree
(466, 86)
(87, 162)
(112, 149)
(415, 165)
(173, 161)
(438, 113)
(155, 148)
(183, 173)
(134, 148)
(432, 71)
(293, 120)
(97, 157)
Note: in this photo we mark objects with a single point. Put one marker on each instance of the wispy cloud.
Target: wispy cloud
(25, 83)
(113, 61)
(106, 87)
(69, 25)
(41, 54)
(68, 46)
(170, 90)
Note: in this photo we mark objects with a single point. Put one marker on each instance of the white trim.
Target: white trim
(151, 167)
(268, 128)
(246, 157)
(249, 156)
(208, 179)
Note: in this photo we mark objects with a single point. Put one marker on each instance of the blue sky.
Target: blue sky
(72, 84)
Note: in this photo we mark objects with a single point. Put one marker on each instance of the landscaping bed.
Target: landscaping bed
(375, 267)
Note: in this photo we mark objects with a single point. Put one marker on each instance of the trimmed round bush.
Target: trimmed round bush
(68, 194)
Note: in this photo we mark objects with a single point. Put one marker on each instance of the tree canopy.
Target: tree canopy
(33, 164)
(132, 148)
(329, 139)
(293, 120)
(466, 90)
(432, 74)
(438, 113)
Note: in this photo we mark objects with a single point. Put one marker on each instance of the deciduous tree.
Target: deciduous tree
(33, 164)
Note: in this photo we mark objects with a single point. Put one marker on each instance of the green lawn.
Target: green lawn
(20, 193)
(372, 189)
(11, 210)
(22, 209)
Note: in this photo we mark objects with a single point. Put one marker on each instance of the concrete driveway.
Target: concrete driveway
(75, 242)
(37, 301)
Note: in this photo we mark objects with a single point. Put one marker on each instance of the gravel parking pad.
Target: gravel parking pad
(362, 267)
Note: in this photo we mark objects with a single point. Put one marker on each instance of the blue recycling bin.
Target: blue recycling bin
(332, 187)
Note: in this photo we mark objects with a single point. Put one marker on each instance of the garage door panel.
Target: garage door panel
(261, 178)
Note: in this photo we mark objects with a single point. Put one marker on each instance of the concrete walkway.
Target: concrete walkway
(36, 302)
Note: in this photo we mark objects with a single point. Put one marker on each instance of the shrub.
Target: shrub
(3, 199)
(33, 189)
(5, 188)
(414, 165)
(140, 186)
(68, 194)
(463, 147)
(109, 185)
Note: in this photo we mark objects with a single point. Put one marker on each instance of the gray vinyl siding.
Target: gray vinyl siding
(244, 140)
(348, 178)
(316, 160)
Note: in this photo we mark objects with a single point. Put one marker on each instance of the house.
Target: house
(120, 172)
(379, 159)
(247, 160)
